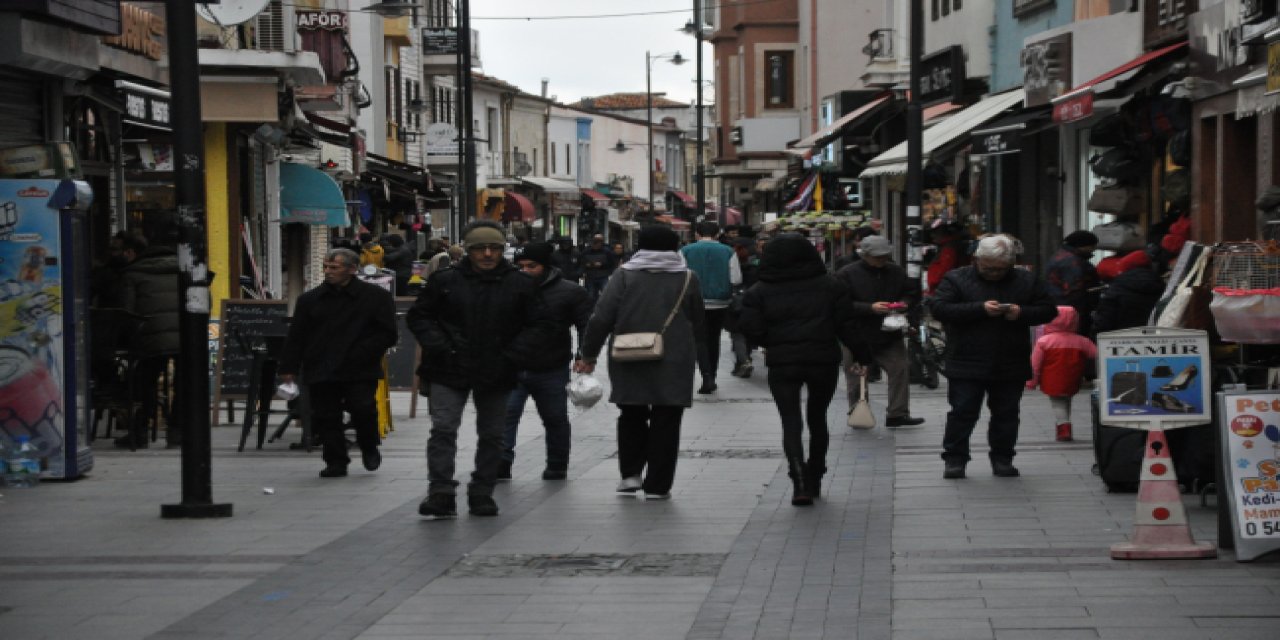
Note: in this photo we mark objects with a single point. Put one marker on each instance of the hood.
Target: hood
(790, 257)
(1066, 322)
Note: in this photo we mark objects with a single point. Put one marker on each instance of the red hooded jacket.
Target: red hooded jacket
(1060, 356)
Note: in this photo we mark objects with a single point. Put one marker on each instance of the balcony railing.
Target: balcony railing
(880, 45)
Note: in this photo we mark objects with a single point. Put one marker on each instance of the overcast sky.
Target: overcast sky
(588, 56)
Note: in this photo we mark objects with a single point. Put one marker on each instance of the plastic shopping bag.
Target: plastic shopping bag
(584, 390)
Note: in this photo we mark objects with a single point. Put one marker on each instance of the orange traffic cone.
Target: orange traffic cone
(1160, 528)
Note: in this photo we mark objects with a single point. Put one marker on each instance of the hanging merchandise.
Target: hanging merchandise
(1115, 199)
(1118, 236)
(1176, 189)
(1246, 293)
(803, 199)
(1121, 164)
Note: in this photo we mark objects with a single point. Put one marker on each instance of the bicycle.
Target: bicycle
(926, 347)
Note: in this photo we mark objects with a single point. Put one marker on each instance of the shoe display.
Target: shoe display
(439, 506)
(504, 471)
(1063, 432)
(903, 421)
(555, 472)
(953, 471)
(708, 386)
(482, 506)
(1183, 380)
(333, 471)
(1004, 469)
(1170, 403)
(630, 484)
(371, 459)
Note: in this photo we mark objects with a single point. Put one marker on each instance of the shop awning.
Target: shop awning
(1107, 80)
(672, 221)
(685, 199)
(825, 135)
(517, 208)
(551, 185)
(308, 195)
(600, 198)
(894, 161)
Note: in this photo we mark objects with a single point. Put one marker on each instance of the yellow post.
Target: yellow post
(383, 397)
(218, 212)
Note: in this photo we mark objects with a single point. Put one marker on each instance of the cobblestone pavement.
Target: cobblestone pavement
(890, 551)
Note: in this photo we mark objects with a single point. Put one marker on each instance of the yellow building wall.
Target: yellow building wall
(217, 213)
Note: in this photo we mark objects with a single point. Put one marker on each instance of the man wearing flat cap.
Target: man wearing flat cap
(478, 323)
(544, 378)
(1072, 278)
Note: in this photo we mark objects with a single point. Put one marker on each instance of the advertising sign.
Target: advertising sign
(1154, 378)
(1250, 432)
(942, 76)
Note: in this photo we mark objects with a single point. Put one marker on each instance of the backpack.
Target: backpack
(1120, 163)
(1110, 131)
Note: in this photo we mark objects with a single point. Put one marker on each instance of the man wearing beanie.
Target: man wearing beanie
(1071, 276)
(479, 323)
(545, 377)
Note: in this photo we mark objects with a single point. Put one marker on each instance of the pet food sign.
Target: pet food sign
(1154, 378)
(1251, 464)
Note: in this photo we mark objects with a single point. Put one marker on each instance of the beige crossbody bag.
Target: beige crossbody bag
(639, 347)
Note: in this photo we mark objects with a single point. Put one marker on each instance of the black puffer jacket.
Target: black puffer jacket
(868, 285)
(1128, 300)
(478, 328)
(150, 288)
(569, 306)
(798, 312)
(980, 346)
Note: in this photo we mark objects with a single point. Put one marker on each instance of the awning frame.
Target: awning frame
(940, 136)
(823, 137)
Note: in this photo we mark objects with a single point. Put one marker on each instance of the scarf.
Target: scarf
(664, 261)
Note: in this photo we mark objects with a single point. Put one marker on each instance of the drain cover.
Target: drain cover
(523, 565)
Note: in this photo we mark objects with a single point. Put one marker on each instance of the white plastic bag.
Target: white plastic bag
(584, 390)
(895, 322)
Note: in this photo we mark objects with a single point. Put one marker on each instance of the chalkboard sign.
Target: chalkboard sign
(245, 323)
(402, 361)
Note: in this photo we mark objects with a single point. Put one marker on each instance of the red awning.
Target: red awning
(595, 195)
(685, 198)
(672, 221)
(517, 208)
(1124, 68)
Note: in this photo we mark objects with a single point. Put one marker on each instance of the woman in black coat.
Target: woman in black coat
(800, 315)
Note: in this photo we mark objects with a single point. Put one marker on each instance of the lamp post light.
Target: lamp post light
(677, 60)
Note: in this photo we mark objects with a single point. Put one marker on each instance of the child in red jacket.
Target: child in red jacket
(1058, 361)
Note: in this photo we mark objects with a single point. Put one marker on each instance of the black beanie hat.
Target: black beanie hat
(658, 238)
(1080, 238)
(539, 252)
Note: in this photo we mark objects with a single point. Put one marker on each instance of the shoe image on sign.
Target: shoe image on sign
(1183, 380)
(1170, 403)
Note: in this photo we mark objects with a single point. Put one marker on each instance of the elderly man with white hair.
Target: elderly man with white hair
(988, 309)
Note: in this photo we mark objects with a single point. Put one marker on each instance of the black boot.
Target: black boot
(800, 494)
(813, 478)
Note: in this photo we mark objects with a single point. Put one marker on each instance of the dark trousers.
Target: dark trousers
(965, 397)
(595, 286)
(709, 350)
(649, 436)
(552, 400)
(446, 406)
(328, 401)
(785, 383)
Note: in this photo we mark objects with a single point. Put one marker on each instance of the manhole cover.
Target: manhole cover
(521, 565)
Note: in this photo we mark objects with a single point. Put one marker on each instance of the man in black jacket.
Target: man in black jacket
(338, 335)
(988, 309)
(569, 306)
(878, 288)
(478, 323)
(598, 263)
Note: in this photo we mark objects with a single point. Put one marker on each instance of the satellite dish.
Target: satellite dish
(231, 12)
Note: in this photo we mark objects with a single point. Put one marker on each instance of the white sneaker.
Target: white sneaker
(630, 484)
(657, 496)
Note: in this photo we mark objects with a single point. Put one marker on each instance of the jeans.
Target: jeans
(785, 383)
(709, 350)
(965, 397)
(649, 436)
(595, 286)
(328, 401)
(892, 358)
(741, 351)
(446, 405)
(551, 399)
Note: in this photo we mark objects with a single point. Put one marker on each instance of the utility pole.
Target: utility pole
(468, 135)
(701, 193)
(193, 264)
(915, 130)
(648, 121)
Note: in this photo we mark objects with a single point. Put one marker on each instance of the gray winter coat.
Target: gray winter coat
(638, 302)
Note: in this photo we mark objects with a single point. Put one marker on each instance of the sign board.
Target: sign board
(942, 76)
(1046, 69)
(1250, 432)
(327, 20)
(1153, 378)
(53, 160)
(1074, 108)
(441, 139)
(402, 360)
(244, 323)
(995, 143)
(437, 41)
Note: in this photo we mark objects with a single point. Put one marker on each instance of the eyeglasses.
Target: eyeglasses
(482, 248)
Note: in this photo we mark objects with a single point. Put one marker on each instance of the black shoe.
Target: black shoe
(708, 386)
(813, 479)
(372, 459)
(504, 471)
(482, 506)
(953, 471)
(439, 506)
(1004, 469)
(333, 471)
(903, 421)
(555, 472)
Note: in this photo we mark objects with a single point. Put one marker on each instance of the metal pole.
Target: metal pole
(698, 170)
(468, 136)
(915, 128)
(194, 277)
(648, 101)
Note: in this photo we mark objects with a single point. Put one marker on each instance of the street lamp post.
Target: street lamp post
(698, 172)
(677, 60)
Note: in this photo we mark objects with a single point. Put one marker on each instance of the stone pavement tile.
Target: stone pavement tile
(1047, 634)
(1178, 633)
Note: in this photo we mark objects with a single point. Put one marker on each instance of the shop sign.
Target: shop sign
(1153, 378)
(321, 20)
(141, 32)
(1074, 108)
(441, 139)
(942, 76)
(142, 108)
(1024, 7)
(53, 160)
(1046, 69)
(1166, 20)
(1250, 436)
(438, 41)
(997, 143)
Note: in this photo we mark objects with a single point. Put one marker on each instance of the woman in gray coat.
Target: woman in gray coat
(651, 395)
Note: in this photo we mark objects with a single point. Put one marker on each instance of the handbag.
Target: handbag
(860, 416)
(1118, 200)
(1118, 236)
(1180, 301)
(641, 347)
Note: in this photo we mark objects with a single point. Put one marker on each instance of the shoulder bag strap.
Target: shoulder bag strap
(688, 275)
